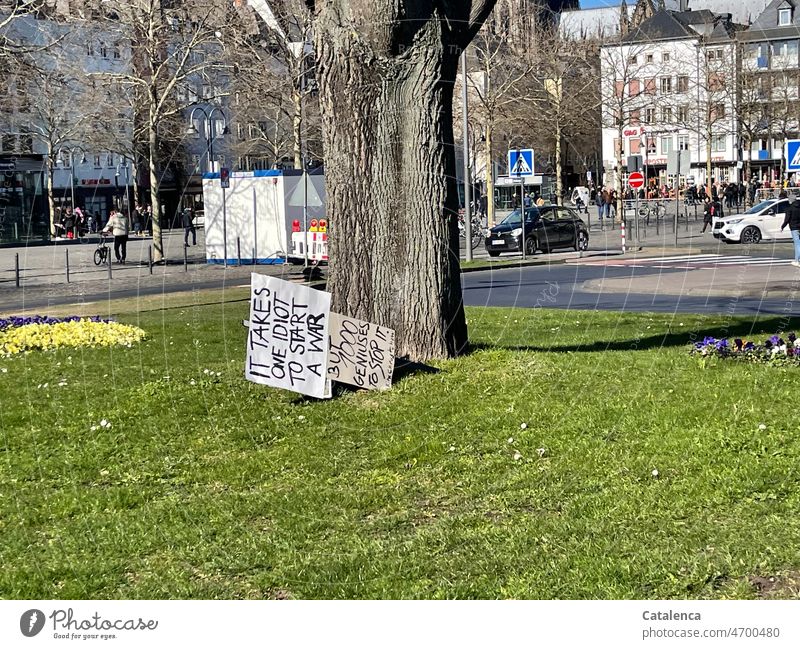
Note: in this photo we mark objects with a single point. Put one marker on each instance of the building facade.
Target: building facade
(670, 85)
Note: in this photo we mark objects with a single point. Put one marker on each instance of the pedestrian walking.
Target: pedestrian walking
(711, 210)
(792, 219)
(118, 226)
(187, 219)
(136, 216)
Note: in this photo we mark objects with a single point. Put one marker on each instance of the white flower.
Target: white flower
(205, 371)
(452, 448)
(93, 427)
(654, 473)
(219, 373)
(192, 382)
(680, 324)
(510, 440)
(523, 425)
(541, 451)
(517, 456)
(301, 417)
(762, 427)
(103, 471)
(3, 370)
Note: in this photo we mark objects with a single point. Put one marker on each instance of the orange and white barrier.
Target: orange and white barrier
(315, 240)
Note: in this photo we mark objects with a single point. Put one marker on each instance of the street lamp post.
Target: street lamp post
(124, 165)
(71, 152)
(209, 130)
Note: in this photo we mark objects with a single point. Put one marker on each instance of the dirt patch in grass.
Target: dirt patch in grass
(785, 586)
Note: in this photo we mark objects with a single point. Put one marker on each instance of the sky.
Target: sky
(591, 4)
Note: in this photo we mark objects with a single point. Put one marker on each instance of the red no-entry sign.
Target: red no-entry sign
(636, 180)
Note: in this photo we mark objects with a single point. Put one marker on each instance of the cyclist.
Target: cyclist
(118, 226)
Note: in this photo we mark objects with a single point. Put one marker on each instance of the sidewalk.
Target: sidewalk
(44, 278)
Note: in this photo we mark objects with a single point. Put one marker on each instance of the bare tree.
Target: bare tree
(566, 92)
(177, 47)
(386, 73)
(498, 87)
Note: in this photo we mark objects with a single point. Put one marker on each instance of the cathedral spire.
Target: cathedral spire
(624, 19)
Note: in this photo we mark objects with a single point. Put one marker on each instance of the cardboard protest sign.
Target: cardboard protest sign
(361, 353)
(287, 342)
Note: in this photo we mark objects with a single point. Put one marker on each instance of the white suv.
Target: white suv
(762, 221)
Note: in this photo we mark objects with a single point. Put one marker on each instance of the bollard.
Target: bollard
(622, 230)
(66, 263)
(254, 256)
(16, 269)
(238, 252)
(185, 260)
(109, 264)
(150, 258)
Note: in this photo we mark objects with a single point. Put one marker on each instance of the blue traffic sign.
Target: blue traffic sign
(792, 155)
(520, 163)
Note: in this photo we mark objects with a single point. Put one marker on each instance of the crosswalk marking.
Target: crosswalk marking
(687, 262)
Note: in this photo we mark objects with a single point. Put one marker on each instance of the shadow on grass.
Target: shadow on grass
(758, 329)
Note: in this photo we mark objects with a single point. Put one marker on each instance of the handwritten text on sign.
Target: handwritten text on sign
(287, 345)
(361, 353)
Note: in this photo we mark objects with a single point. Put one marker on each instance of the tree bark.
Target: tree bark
(489, 176)
(51, 203)
(152, 159)
(386, 74)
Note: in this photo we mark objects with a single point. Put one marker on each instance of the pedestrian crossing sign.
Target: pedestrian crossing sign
(520, 163)
(792, 155)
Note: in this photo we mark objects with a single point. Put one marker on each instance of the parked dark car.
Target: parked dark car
(546, 228)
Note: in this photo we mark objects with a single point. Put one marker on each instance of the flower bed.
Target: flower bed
(38, 333)
(776, 350)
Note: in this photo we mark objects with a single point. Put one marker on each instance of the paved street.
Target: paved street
(700, 275)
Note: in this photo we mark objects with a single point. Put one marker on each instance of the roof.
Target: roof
(667, 25)
(766, 24)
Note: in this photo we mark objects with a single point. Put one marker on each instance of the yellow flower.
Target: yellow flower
(81, 333)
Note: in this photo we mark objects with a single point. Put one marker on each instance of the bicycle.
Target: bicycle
(657, 209)
(477, 230)
(102, 253)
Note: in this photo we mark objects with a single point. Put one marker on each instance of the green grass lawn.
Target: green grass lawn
(212, 487)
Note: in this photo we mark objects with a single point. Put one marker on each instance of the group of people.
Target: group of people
(606, 201)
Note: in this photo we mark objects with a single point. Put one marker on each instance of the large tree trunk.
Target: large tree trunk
(387, 73)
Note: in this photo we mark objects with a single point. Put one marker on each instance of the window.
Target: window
(666, 115)
(716, 81)
(649, 115)
(195, 162)
(635, 117)
(89, 48)
(635, 145)
(683, 143)
(103, 50)
(633, 60)
(97, 164)
(717, 111)
(617, 147)
(648, 58)
(719, 143)
(651, 145)
(683, 84)
(619, 88)
(7, 143)
(240, 131)
(665, 57)
(666, 85)
(784, 17)
(115, 50)
(714, 55)
(633, 88)
(666, 144)
(683, 114)
(109, 160)
(650, 86)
